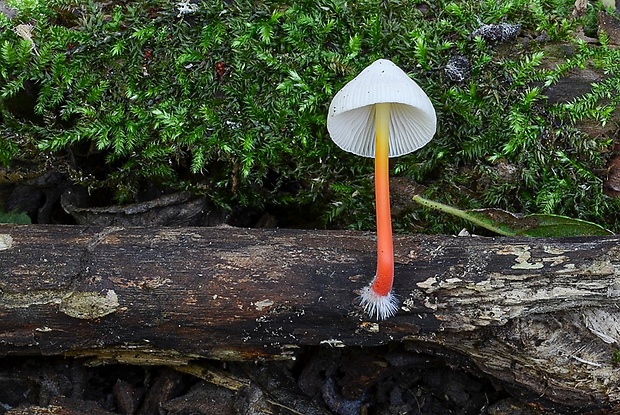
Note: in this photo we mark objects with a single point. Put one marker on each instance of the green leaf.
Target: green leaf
(508, 224)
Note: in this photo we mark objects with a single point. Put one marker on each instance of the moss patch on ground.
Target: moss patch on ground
(228, 99)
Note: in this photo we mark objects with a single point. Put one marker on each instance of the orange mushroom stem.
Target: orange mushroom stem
(381, 113)
(377, 299)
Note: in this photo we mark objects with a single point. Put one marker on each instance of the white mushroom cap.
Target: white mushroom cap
(351, 118)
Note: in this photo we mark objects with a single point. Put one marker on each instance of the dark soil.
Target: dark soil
(342, 381)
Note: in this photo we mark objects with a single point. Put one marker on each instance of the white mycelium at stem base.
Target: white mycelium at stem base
(381, 113)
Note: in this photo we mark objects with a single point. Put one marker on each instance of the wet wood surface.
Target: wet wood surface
(540, 314)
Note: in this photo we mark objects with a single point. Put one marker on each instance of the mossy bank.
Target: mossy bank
(229, 100)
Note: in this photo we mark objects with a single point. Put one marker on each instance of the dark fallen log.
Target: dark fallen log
(541, 314)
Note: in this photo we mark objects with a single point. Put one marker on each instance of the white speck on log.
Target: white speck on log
(6, 241)
(604, 324)
(523, 256)
(427, 285)
(261, 305)
(89, 305)
(333, 343)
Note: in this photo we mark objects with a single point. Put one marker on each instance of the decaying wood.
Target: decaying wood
(541, 314)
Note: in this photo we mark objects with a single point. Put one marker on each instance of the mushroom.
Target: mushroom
(381, 113)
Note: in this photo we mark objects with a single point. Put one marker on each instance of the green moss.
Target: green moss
(229, 100)
(14, 217)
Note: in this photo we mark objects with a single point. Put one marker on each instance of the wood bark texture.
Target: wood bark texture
(539, 314)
